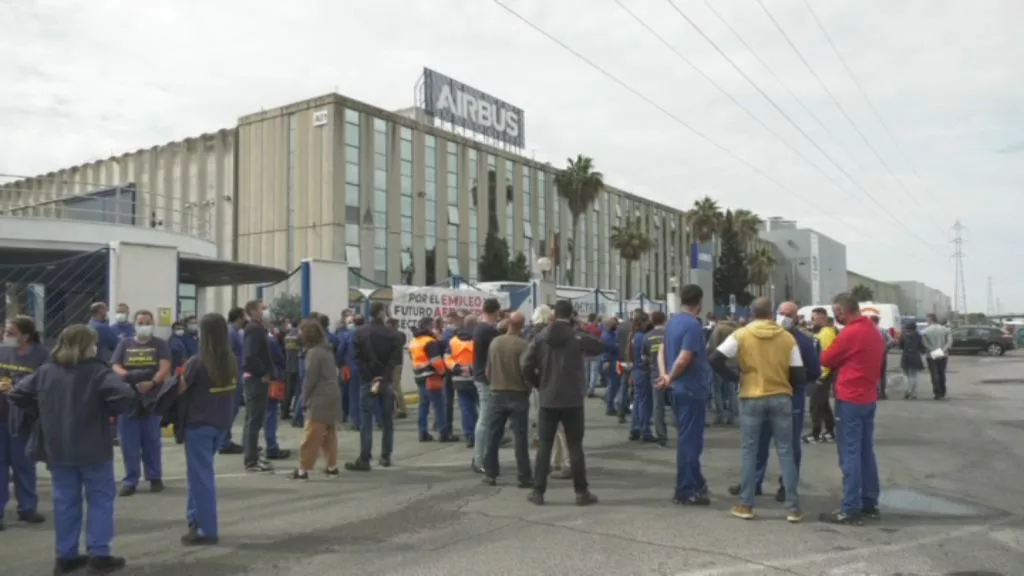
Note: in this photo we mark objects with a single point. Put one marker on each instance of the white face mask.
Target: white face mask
(144, 331)
(784, 321)
(120, 318)
(179, 332)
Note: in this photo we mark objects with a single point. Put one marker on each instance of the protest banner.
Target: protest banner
(410, 303)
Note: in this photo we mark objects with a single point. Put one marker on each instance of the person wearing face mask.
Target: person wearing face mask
(141, 359)
(20, 356)
(123, 326)
(183, 343)
(74, 397)
(771, 371)
(277, 356)
(787, 318)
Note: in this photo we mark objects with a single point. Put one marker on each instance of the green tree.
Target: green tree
(704, 220)
(761, 266)
(494, 262)
(862, 293)
(632, 241)
(286, 306)
(580, 186)
(518, 268)
(747, 226)
(731, 274)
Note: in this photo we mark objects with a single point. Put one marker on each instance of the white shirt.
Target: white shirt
(731, 347)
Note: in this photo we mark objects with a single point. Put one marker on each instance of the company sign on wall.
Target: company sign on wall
(452, 101)
(702, 256)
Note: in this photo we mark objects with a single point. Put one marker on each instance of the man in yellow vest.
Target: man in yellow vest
(771, 369)
(459, 361)
(429, 370)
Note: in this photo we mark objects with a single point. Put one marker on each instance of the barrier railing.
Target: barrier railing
(54, 292)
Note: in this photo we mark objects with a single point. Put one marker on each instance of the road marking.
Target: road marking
(834, 556)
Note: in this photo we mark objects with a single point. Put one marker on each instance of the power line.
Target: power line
(666, 112)
(863, 94)
(990, 300)
(835, 101)
(775, 105)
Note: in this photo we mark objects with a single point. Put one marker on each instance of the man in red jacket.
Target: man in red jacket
(857, 354)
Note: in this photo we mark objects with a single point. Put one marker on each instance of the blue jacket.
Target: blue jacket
(126, 330)
(277, 356)
(809, 354)
(347, 353)
(182, 348)
(446, 339)
(611, 347)
(236, 346)
(108, 339)
(638, 353)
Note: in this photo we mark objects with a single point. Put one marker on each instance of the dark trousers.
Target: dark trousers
(821, 410)
(291, 391)
(382, 404)
(937, 370)
(346, 400)
(884, 378)
(449, 402)
(256, 398)
(572, 421)
(690, 413)
(511, 407)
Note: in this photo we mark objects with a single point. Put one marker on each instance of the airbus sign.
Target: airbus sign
(452, 101)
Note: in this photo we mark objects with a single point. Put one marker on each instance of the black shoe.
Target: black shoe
(426, 437)
(449, 438)
(299, 475)
(840, 517)
(260, 466)
(127, 491)
(279, 454)
(194, 539)
(332, 472)
(401, 415)
(489, 481)
(871, 513)
(385, 462)
(358, 465)
(524, 484)
(663, 442)
(105, 564)
(586, 499)
(622, 419)
(231, 448)
(649, 440)
(470, 443)
(634, 436)
(883, 396)
(611, 413)
(476, 468)
(69, 565)
(535, 498)
(780, 495)
(156, 486)
(31, 517)
(286, 416)
(735, 490)
(698, 500)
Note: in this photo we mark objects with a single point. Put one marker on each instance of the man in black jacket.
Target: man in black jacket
(257, 368)
(378, 350)
(554, 364)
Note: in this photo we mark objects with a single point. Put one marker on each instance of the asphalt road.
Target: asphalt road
(953, 504)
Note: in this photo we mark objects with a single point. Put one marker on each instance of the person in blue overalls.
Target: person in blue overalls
(20, 356)
(75, 396)
(452, 325)
(183, 343)
(347, 359)
(106, 336)
(207, 388)
(640, 424)
(236, 323)
(341, 337)
(139, 360)
(687, 371)
(274, 451)
(609, 365)
(123, 325)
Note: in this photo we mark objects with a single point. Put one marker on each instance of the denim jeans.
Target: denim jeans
(383, 403)
(855, 438)
(799, 399)
(611, 393)
(643, 407)
(201, 446)
(69, 483)
(14, 459)
(514, 407)
(911, 379)
(724, 397)
(480, 439)
(428, 399)
(690, 411)
(469, 408)
(754, 413)
(661, 402)
(593, 374)
(937, 370)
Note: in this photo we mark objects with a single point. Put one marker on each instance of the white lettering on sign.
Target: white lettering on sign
(320, 118)
(411, 303)
(479, 111)
(704, 257)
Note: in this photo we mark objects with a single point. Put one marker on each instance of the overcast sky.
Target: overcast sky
(85, 80)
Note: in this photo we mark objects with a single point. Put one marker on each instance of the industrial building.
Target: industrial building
(881, 291)
(812, 267)
(919, 299)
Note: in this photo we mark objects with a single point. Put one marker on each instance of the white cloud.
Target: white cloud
(82, 80)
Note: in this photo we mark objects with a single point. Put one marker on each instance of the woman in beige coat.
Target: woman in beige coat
(321, 397)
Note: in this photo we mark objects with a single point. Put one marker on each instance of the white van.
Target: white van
(888, 315)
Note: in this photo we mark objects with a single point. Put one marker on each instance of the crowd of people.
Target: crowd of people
(109, 384)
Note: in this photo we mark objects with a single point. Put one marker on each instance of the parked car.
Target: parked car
(981, 339)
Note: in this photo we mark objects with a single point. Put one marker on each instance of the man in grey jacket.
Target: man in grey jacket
(937, 339)
(554, 364)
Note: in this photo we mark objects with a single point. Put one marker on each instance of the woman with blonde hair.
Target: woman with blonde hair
(74, 397)
(321, 398)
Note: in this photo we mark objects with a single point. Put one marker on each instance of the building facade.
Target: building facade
(919, 299)
(813, 268)
(403, 201)
(881, 292)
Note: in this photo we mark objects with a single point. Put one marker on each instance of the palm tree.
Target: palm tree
(747, 226)
(704, 220)
(632, 241)
(579, 185)
(760, 266)
(862, 293)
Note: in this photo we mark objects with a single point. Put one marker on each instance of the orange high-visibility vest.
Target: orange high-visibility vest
(424, 367)
(462, 354)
